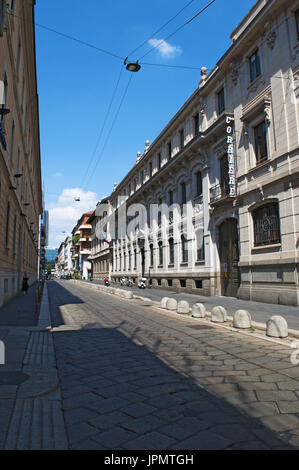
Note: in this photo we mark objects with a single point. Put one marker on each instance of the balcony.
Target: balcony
(219, 193)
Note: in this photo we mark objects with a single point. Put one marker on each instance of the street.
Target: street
(135, 377)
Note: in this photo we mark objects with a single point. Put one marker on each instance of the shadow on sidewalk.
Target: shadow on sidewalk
(21, 310)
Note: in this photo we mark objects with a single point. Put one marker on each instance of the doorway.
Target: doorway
(229, 257)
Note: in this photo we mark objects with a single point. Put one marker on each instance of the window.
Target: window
(4, 98)
(183, 193)
(18, 56)
(14, 235)
(159, 161)
(22, 93)
(255, 66)
(151, 255)
(260, 142)
(150, 169)
(18, 160)
(7, 225)
(169, 150)
(135, 259)
(200, 246)
(171, 251)
(297, 22)
(141, 177)
(170, 200)
(266, 225)
(184, 246)
(221, 101)
(160, 246)
(159, 212)
(182, 139)
(196, 124)
(198, 184)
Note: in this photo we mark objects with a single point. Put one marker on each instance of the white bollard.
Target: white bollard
(277, 327)
(171, 304)
(164, 302)
(183, 307)
(219, 314)
(242, 319)
(199, 311)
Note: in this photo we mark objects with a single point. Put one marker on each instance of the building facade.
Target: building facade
(101, 252)
(20, 167)
(81, 250)
(216, 193)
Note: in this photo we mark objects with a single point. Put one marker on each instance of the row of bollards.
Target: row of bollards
(276, 326)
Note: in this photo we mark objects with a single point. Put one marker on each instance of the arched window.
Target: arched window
(135, 259)
(151, 254)
(266, 224)
(171, 251)
(7, 224)
(200, 246)
(184, 247)
(160, 245)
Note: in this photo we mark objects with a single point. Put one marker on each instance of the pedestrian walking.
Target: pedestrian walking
(25, 285)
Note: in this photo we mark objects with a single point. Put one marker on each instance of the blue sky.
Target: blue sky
(76, 84)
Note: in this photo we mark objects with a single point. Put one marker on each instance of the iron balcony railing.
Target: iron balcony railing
(218, 191)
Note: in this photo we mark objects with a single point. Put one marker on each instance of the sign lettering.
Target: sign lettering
(230, 157)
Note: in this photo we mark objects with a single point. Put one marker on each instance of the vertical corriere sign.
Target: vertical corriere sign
(231, 157)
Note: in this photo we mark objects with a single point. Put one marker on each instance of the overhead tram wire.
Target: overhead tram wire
(72, 38)
(109, 52)
(113, 124)
(103, 126)
(160, 29)
(178, 29)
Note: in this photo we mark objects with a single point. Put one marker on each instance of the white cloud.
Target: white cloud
(166, 50)
(58, 175)
(64, 214)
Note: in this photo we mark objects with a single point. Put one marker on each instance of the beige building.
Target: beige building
(20, 166)
(100, 257)
(227, 165)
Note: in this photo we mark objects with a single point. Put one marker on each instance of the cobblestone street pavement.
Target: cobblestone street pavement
(135, 377)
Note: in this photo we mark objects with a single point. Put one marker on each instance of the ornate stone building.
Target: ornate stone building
(20, 167)
(81, 249)
(100, 257)
(227, 165)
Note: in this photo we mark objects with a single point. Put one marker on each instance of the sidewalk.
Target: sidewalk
(30, 401)
(20, 311)
(15, 318)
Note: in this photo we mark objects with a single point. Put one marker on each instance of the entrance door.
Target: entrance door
(229, 257)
